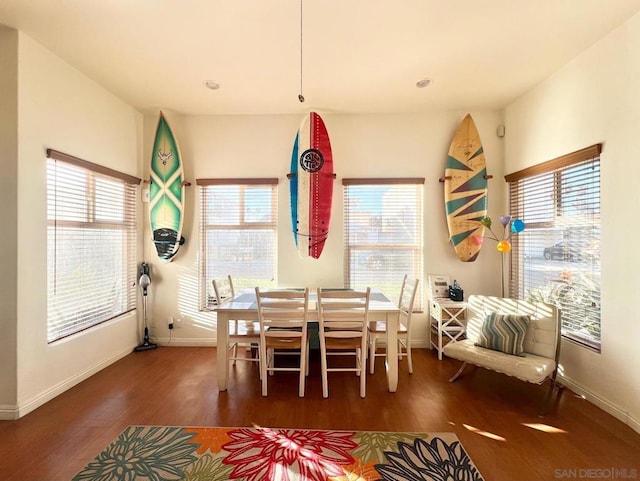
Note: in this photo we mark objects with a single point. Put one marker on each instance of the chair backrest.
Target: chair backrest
(283, 311)
(223, 289)
(343, 313)
(543, 333)
(406, 300)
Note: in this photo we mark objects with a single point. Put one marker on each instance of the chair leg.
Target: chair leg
(323, 365)
(264, 361)
(306, 370)
(259, 361)
(271, 356)
(304, 367)
(362, 361)
(457, 375)
(553, 384)
(372, 352)
(547, 400)
(409, 360)
(235, 353)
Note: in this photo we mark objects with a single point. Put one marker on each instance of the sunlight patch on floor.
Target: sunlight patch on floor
(484, 433)
(545, 428)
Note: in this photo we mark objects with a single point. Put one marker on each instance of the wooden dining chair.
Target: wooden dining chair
(378, 329)
(283, 316)
(343, 316)
(242, 333)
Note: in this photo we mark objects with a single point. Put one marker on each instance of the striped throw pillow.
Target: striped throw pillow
(504, 332)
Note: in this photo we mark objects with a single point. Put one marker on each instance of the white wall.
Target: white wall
(9, 215)
(60, 108)
(363, 146)
(596, 98)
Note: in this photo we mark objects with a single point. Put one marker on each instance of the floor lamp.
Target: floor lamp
(510, 227)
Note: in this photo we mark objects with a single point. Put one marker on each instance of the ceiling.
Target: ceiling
(357, 56)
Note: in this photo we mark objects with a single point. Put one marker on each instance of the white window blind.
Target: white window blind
(556, 258)
(383, 234)
(91, 244)
(238, 233)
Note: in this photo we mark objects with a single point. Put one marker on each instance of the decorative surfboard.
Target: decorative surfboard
(311, 186)
(166, 193)
(465, 190)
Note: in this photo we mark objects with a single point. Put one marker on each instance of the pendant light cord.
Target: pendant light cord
(300, 96)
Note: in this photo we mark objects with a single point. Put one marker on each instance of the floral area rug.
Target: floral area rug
(159, 453)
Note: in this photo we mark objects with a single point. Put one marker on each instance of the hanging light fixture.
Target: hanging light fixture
(300, 96)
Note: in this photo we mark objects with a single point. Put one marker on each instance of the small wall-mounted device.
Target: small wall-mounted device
(500, 131)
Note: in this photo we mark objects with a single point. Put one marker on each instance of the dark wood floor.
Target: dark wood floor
(491, 414)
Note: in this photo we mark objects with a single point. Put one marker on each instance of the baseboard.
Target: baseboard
(211, 342)
(25, 408)
(185, 342)
(8, 412)
(415, 343)
(602, 403)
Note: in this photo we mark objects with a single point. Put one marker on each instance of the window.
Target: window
(238, 233)
(383, 234)
(556, 258)
(91, 244)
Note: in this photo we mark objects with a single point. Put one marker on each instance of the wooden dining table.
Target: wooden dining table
(244, 307)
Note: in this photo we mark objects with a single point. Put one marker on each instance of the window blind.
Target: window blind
(238, 233)
(91, 244)
(556, 258)
(383, 234)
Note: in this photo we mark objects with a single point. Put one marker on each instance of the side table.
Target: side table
(447, 322)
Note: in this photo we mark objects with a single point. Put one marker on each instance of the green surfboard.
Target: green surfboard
(166, 193)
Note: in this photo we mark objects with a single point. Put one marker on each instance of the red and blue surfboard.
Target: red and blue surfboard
(311, 186)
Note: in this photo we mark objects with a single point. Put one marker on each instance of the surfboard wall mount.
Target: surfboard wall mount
(448, 177)
(184, 183)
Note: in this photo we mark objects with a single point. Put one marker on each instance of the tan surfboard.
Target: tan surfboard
(465, 190)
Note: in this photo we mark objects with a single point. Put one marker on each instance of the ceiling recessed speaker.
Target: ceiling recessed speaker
(500, 131)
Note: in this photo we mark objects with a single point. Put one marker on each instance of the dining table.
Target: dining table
(243, 306)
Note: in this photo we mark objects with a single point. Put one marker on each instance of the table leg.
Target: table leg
(391, 362)
(440, 329)
(222, 341)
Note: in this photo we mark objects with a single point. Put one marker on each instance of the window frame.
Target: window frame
(417, 247)
(206, 294)
(559, 171)
(92, 173)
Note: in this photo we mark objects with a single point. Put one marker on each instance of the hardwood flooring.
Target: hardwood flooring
(494, 416)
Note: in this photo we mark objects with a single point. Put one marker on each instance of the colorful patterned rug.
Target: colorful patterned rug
(158, 453)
